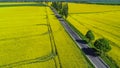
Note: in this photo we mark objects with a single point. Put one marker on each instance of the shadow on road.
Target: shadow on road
(90, 51)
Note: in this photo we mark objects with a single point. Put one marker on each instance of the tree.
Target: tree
(54, 4)
(66, 10)
(102, 45)
(60, 5)
(90, 36)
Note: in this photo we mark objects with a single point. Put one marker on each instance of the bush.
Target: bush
(102, 45)
(90, 36)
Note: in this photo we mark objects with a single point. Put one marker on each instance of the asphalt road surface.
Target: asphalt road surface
(89, 52)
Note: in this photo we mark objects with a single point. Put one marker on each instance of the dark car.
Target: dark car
(58, 16)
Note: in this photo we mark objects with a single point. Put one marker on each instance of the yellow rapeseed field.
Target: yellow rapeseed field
(25, 40)
(24, 37)
(103, 20)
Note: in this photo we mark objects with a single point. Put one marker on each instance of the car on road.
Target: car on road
(58, 16)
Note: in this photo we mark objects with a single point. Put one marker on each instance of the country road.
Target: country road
(89, 52)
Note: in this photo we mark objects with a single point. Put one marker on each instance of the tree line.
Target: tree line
(61, 7)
